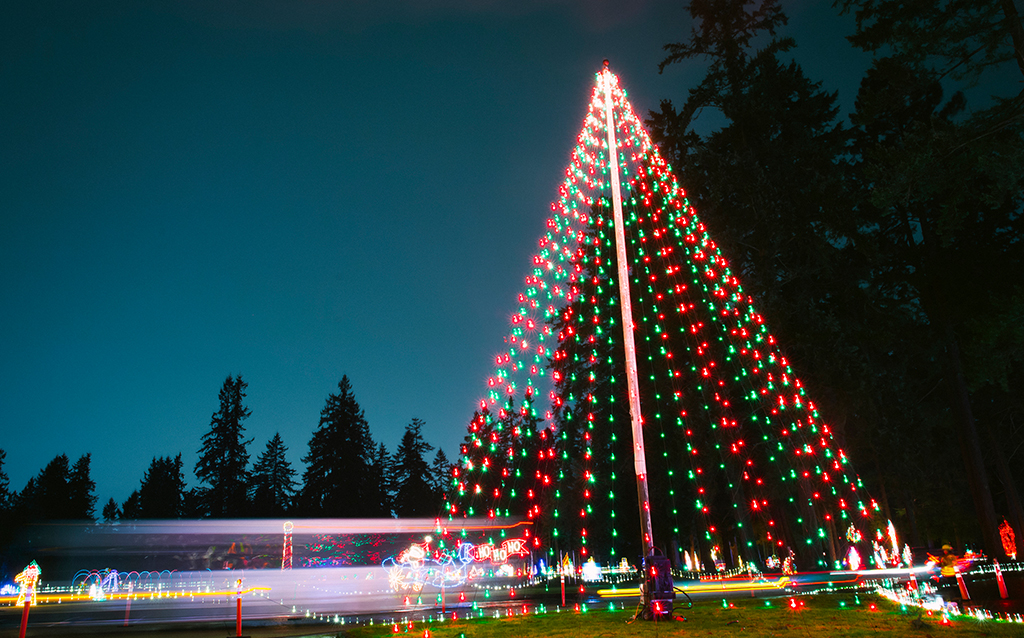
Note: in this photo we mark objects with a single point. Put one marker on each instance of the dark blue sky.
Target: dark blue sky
(291, 192)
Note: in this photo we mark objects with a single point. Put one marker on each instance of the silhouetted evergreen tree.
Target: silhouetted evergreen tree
(769, 186)
(223, 457)
(336, 480)
(111, 511)
(81, 490)
(161, 494)
(58, 492)
(194, 503)
(6, 512)
(273, 481)
(414, 483)
(5, 484)
(47, 497)
(381, 491)
(441, 469)
(943, 193)
(131, 509)
(768, 182)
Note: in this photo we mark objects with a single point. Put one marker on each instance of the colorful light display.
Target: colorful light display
(27, 582)
(739, 459)
(419, 565)
(1008, 539)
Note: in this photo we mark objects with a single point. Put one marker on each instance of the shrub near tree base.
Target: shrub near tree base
(826, 615)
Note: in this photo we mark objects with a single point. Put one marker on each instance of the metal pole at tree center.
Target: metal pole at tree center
(632, 383)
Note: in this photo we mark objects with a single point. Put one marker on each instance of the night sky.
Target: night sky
(290, 191)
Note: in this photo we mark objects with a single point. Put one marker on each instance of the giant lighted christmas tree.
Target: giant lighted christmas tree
(741, 467)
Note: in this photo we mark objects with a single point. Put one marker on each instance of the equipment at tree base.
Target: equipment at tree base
(658, 589)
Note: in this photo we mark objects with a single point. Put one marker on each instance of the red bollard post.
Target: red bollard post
(1002, 583)
(128, 603)
(963, 586)
(24, 619)
(238, 608)
(561, 572)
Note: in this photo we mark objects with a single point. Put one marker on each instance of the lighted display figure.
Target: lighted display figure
(717, 559)
(1007, 537)
(687, 561)
(853, 559)
(789, 564)
(28, 581)
(591, 570)
(879, 555)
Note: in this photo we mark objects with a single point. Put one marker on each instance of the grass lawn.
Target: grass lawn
(822, 615)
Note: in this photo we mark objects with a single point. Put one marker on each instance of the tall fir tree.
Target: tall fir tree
(5, 485)
(336, 481)
(81, 489)
(414, 493)
(224, 457)
(46, 496)
(943, 172)
(7, 513)
(52, 497)
(273, 481)
(59, 491)
(768, 181)
(770, 189)
(194, 504)
(441, 471)
(161, 494)
(381, 492)
(131, 509)
(111, 511)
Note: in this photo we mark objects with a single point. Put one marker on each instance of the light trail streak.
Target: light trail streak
(717, 586)
(71, 597)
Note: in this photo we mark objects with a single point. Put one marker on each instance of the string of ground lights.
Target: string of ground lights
(743, 469)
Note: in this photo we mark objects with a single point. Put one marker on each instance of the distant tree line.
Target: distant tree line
(347, 475)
